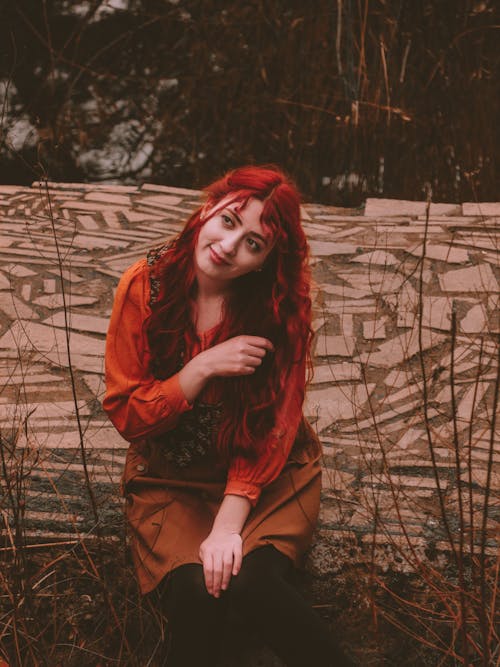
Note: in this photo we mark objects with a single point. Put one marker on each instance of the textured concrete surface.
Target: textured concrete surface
(381, 308)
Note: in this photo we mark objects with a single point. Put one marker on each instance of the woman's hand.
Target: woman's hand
(240, 355)
(221, 552)
(221, 555)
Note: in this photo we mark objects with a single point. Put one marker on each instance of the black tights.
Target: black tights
(263, 596)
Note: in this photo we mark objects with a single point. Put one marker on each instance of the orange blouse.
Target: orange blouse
(140, 406)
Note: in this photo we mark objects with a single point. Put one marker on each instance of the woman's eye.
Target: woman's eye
(253, 244)
(227, 220)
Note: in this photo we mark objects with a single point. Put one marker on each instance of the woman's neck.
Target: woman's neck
(208, 312)
(211, 290)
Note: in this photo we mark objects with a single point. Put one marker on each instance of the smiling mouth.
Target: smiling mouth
(217, 259)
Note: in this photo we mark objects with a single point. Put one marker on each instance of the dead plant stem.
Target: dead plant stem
(469, 451)
(425, 391)
(484, 526)
(456, 447)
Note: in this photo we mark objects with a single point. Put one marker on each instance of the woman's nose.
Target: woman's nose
(229, 244)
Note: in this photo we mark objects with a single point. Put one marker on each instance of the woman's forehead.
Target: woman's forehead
(231, 202)
(243, 204)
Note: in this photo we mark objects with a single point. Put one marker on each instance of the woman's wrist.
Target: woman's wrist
(194, 376)
(200, 367)
(232, 515)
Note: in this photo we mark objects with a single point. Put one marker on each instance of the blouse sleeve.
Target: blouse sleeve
(248, 477)
(137, 403)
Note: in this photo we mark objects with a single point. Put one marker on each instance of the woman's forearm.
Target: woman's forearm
(232, 514)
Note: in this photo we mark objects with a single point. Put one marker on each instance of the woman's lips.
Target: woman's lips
(217, 259)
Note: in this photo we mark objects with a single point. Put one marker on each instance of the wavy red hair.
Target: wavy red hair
(274, 303)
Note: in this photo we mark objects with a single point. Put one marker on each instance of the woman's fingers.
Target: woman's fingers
(237, 559)
(259, 341)
(254, 351)
(217, 569)
(208, 572)
(227, 570)
(254, 355)
(217, 574)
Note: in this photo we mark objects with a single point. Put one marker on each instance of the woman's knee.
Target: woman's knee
(183, 591)
(261, 571)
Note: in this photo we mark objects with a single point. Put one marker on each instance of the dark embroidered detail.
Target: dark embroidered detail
(153, 256)
(194, 436)
(195, 433)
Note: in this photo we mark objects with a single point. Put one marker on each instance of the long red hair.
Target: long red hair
(274, 303)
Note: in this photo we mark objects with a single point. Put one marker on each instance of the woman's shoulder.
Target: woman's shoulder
(140, 282)
(135, 273)
(134, 283)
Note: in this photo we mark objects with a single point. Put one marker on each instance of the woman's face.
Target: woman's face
(232, 242)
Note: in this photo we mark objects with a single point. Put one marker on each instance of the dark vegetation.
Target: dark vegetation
(354, 98)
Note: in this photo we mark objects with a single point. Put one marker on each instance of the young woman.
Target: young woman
(206, 360)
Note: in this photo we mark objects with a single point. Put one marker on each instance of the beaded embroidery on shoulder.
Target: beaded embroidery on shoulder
(153, 256)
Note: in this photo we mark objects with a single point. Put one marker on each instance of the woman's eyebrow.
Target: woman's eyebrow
(259, 236)
(235, 215)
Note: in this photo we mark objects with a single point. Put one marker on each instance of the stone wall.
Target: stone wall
(403, 302)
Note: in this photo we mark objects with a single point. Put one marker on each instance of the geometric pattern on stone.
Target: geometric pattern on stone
(365, 399)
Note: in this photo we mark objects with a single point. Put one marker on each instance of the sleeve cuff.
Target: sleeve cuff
(171, 389)
(237, 487)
